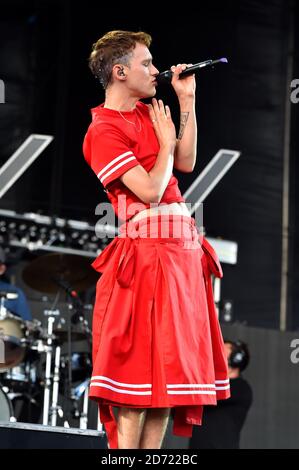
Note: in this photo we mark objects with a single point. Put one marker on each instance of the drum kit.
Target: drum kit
(32, 366)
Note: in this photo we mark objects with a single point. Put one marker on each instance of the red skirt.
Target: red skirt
(157, 342)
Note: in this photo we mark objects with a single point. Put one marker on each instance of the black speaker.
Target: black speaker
(34, 436)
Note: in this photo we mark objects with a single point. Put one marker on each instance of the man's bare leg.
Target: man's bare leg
(154, 428)
(129, 427)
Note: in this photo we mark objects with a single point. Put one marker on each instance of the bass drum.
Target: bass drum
(6, 409)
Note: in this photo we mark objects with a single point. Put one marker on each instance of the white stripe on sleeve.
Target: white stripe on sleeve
(104, 173)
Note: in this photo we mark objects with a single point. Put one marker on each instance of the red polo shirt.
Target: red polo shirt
(116, 142)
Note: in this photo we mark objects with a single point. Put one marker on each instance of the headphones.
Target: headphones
(239, 357)
(121, 72)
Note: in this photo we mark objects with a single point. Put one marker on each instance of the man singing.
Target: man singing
(157, 343)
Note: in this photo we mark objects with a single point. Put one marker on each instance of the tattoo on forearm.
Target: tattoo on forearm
(184, 119)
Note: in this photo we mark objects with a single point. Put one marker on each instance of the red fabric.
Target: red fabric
(113, 145)
(156, 336)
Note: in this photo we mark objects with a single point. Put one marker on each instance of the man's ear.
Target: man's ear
(2, 269)
(119, 72)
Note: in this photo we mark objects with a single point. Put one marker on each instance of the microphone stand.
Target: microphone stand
(49, 352)
(69, 353)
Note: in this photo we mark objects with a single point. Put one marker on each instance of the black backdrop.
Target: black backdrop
(49, 89)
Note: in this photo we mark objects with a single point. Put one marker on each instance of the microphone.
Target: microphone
(165, 77)
(77, 302)
(69, 290)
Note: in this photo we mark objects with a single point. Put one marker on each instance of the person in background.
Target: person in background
(222, 425)
(18, 306)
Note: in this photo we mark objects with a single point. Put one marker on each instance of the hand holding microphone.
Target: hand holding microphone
(185, 89)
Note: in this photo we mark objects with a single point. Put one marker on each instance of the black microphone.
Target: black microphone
(78, 315)
(69, 290)
(165, 77)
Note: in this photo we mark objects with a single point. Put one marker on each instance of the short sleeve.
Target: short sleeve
(111, 155)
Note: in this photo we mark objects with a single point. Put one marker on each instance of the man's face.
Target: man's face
(141, 74)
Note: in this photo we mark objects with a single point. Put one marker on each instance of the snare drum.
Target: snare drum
(12, 335)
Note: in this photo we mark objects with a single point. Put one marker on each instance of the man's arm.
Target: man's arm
(186, 147)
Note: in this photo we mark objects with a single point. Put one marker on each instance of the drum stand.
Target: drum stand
(73, 394)
(49, 352)
(75, 305)
(55, 408)
(82, 389)
(84, 414)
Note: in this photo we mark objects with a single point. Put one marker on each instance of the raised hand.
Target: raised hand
(163, 124)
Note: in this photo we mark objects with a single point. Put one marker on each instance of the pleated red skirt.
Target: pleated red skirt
(156, 336)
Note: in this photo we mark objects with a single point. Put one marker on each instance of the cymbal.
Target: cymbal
(43, 273)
